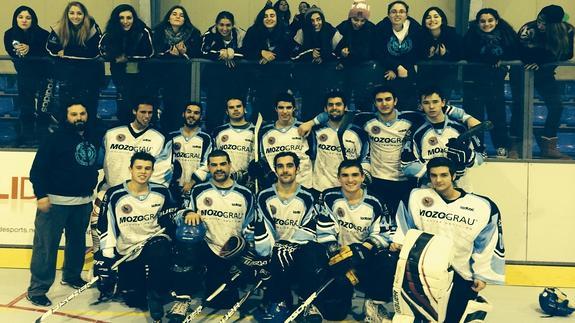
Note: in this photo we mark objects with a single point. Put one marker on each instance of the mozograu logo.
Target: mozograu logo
(177, 146)
(208, 201)
(271, 140)
(432, 141)
(126, 208)
(120, 137)
(340, 212)
(273, 209)
(375, 130)
(427, 201)
(225, 138)
(323, 137)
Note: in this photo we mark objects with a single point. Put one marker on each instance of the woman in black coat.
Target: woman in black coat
(126, 42)
(176, 40)
(440, 43)
(489, 40)
(267, 43)
(25, 42)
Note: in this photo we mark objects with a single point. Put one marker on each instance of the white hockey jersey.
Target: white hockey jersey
(328, 153)
(292, 220)
(122, 142)
(225, 212)
(274, 140)
(238, 142)
(190, 155)
(473, 224)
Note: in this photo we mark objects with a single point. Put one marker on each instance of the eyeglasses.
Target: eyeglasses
(397, 12)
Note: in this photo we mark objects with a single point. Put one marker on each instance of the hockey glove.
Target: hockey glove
(107, 277)
(460, 153)
(251, 262)
(241, 176)
(283, 254)
(233, 248)
(349, 258)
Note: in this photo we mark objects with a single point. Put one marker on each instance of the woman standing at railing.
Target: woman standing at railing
(267, 42)
(489, 40)
(440, 43)
(178, 40)
(222, 42)
(126, 42)
(23, 41)
(74, 42)
(546, 40)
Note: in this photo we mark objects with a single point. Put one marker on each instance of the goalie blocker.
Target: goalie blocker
(425, 286)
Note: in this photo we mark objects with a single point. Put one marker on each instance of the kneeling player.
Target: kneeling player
(471, 223)
(352, 227)
(285, 230)
(131, 212)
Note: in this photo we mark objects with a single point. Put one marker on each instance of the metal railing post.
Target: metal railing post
(527, 104)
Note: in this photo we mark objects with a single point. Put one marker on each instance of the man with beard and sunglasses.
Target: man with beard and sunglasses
(190, 147)
(63, 175)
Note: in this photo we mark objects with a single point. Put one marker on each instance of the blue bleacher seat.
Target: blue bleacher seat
(3, 83)
(7, 133)
(107, 109)
(11, 84)
(110, 89)
(568, 91)
(566, 143)
(489, 148)
(507, 92)
(539, 114)
(568, 117)
(7, 108)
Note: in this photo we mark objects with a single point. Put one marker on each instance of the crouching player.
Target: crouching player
(470, 227)
(226, 210)
(131, 212)
(352, 227)
(285, 230)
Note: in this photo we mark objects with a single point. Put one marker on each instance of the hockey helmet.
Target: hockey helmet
(554, 302)
(190, 233)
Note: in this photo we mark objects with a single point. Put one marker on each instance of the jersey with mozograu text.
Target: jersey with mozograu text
(238, 142)
(386, 140)
(191, 154)
(344, 223)
(274, 140)
(122, 142)
(291, 219)
(471, 222)
(427, 142)
(329, 155)
(126, 220)
(225, 212)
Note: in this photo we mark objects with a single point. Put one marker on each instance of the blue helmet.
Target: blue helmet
(189, 233)
(554, 302)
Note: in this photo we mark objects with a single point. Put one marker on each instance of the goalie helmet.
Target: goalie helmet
(554, 302)
(189, 233)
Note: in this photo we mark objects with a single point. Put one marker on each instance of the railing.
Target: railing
(253, 79)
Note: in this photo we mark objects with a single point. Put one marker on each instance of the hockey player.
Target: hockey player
(120, 143)
(471, 222)
(190, 147)
(226, 209)
(352, 228)
(285, 230)
(130, 213)
(329, 152)
(436, 137)
(237, 139)
(282, 135)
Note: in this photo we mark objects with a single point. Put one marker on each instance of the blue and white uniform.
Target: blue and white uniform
(190, 154)
(238, 142)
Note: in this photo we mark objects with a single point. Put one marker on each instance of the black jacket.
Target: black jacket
(328, 40)
(66, 164)
(258, 39)
(449, 37)
(532, 43)
(36, 38)
(212, 42)
(162, 47)
(391, 53)
(359, 42)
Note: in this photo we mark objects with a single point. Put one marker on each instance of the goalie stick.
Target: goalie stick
(308, 301)
(475, 130)
(82, 289)
(237, 305)
(345, 123)
(258, 125)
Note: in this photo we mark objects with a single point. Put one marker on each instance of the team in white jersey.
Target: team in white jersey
(471, 223)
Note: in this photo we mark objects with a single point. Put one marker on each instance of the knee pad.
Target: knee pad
(476, 311)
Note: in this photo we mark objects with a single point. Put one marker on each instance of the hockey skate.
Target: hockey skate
(378, 311)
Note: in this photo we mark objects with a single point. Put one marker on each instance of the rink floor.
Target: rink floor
(511, 304)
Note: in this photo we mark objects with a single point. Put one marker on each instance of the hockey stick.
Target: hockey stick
(215, 293)
(95, 279)
(344, 125)
(308, 301)
(237, 305)
(257, 128)
(475, 130)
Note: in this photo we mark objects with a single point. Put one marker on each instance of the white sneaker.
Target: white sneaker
(377, 311)
(501, 153)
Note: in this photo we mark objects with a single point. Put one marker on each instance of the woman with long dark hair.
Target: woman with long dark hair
(25, 42)
(126, 42)
(223, 42)
(440, 43)
(178, 40)
(267, 42)
(489, 40)
(297, 21)
(74, 43)
(547, 39)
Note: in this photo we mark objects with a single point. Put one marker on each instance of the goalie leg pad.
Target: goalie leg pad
(423, 277)
(476, 311)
